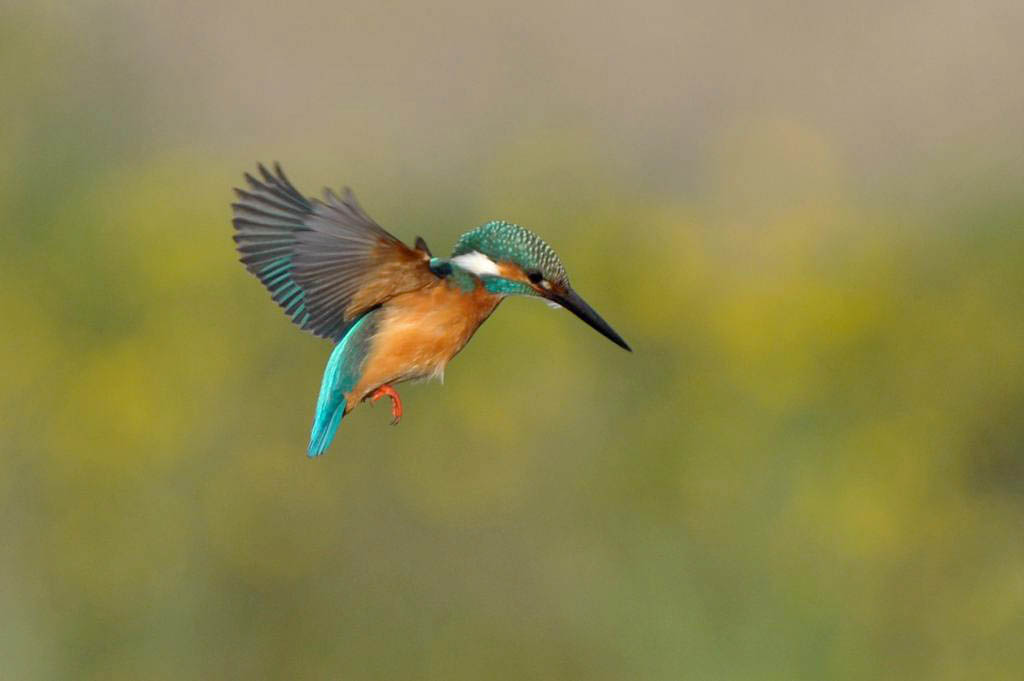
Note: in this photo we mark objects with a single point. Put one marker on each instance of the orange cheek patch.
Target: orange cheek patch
(512, 271)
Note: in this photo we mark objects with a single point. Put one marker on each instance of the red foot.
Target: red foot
(396, 402)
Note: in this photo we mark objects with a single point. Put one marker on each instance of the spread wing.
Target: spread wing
(325, 262)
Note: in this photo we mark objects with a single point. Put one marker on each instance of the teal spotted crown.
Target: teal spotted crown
(500, 240)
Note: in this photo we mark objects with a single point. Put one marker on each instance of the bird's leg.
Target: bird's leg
(396, 402)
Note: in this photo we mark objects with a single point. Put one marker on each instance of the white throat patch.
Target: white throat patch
(477, 263)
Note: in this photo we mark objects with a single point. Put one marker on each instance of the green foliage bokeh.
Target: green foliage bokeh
(810, 467)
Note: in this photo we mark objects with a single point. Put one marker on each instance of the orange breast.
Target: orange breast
(419, 332)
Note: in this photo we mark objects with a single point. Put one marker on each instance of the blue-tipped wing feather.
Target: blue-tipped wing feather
(312, 255)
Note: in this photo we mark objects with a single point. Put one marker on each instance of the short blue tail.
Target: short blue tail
(344, 368)
(325, 425)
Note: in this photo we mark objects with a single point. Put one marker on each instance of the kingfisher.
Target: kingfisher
(395, 313)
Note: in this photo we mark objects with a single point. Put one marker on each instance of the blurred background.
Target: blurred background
(806, 218)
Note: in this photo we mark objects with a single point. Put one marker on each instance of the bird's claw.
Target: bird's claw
(396, 402)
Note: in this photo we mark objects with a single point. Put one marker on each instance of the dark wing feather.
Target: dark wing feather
(321, 260)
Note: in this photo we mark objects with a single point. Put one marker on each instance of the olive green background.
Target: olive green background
(806, 218)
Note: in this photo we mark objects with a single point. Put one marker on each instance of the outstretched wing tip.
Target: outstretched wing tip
(312, 255)
(421, 245)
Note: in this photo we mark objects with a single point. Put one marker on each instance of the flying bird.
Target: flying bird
(395, 313)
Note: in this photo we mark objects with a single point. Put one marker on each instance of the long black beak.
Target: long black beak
(572, 302)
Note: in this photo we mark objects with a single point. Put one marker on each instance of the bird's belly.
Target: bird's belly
(419, 332)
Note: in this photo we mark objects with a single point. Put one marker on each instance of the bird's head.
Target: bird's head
(512, 260)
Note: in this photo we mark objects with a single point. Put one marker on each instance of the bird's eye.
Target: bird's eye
(535, 277)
